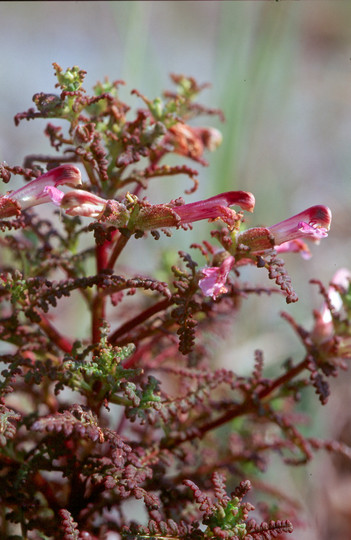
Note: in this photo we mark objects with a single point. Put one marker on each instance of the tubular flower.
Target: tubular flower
(217, 207)
(35, 192)
(141, 215)
(313, 223)
(77, 202)
(214, 282)
(289, 235)
(330, 320)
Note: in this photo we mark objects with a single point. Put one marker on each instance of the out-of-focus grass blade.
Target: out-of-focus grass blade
(254, 49)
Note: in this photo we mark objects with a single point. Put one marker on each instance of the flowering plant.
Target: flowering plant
(133, 410)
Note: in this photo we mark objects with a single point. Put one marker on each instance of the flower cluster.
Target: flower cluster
(286, 236)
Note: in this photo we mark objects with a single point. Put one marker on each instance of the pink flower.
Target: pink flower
(34, 192)
(313, 223)
(55, 194)
(289, 235)
(295, 246)
(215, 207)
(214, 282)
(143, 216)
(77, 202)
(327, 328)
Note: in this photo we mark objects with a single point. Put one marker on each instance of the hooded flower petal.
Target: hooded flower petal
(34, 192)
(214, 282)
(313, 223)
(82, 203)
(289, 235)
(155, 216)
(216, 206)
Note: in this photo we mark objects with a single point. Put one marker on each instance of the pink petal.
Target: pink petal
(83, 203)
(34, 193)
(312, 232)
(56, 195)
(294, 246)
(313, 223)
(213, 284)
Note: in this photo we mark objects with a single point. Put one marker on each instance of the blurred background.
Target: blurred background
(281, 73)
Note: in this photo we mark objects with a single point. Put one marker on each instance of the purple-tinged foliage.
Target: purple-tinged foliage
(132, 412)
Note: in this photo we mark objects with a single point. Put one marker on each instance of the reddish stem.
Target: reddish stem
(43, 486)
(101, 256)
(103, 263)
(238, 410)
(286, 377)
(98, 312)
(119, 245)
(132, 323)
(98, 307)
(63, 343)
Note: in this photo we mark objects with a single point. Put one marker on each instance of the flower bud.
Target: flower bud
(192, 141)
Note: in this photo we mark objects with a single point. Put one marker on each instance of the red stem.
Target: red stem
(98, 306)
(238, 410)
(44, 487)
(101, 256)
(63, 343)
(119, 245)
(132, 323)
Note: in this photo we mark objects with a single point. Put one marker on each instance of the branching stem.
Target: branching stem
(246, 407)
